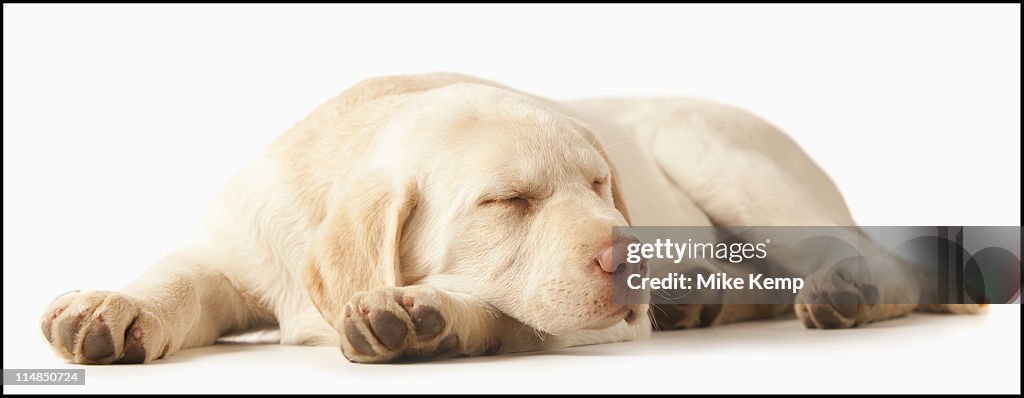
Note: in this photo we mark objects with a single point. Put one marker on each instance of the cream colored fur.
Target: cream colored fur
(409, 199)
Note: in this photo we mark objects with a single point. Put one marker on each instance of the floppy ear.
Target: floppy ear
(616, 194)
(356, 247)
(620, 204)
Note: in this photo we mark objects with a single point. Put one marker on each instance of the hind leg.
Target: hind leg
(741, 171)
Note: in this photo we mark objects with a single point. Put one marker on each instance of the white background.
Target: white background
(121, 121)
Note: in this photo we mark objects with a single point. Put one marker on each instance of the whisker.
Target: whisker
(616, 144)
(650, 317)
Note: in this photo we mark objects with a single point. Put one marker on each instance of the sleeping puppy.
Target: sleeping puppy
(441, 215)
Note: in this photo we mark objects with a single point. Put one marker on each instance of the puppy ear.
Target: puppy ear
(620, 204)
(356, 247)
(589, 135)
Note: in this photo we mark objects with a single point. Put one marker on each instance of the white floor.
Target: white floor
(918, 354)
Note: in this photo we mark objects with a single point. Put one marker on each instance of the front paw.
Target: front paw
(398, 323)
(99, 327)
(687, 308)
(684, 316)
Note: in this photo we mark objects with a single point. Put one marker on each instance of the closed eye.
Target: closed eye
(598, 184)
(512, 201)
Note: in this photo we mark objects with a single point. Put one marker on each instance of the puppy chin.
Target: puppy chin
(604, 323)
(627, 313)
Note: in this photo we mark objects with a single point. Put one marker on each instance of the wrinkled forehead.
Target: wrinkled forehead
(487, 133)
(524, 150)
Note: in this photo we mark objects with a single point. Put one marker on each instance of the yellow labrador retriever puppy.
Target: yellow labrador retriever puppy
(439, 215)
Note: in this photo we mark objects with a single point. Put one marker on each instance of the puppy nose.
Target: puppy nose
(613, 256)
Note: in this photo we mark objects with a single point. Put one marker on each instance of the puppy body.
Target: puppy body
(439, 215)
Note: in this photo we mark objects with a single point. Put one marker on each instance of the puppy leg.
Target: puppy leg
(688, 316)
(714, 307)
(423, 322)
(178, 303)
(847, 295)
(742, 171)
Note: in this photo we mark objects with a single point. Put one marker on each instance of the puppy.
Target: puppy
(441, 215)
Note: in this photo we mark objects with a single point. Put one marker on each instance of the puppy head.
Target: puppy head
(516, 204)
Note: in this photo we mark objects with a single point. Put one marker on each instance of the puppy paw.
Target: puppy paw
(98, 327)
(687, 309)
(837, 299)
(396, 324)
(684, 316)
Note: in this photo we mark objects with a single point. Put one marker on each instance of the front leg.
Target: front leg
(178, 303)
(424, 322)
(686, 309)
